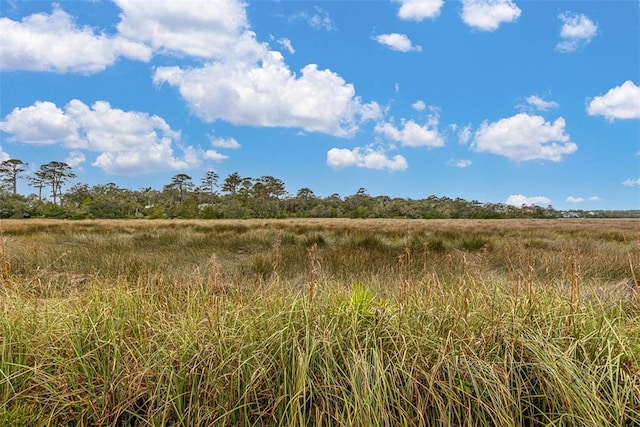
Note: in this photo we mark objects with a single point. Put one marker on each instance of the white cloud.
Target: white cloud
(268, 94)
(215, 155)
(578, 199)
(540, 104)
(418, 10)
(75, 158)
(419, 105)
(242, 80)
(42, 42)
(319, 20)
(487, 15)
(519, 200)
(524, 137)
(459, 163)
(199, 28)
(572, 199)
(412, 134)
(370, 111)
(631, 182)
(369, 158)
(397, 42)
(286, 43)
(464, 135)
(129, 142)
(3, 156)
(621, 102)
(577, 30)
(230, 143)
(42, 123)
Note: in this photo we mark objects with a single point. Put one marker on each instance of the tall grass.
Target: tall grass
(320, 323)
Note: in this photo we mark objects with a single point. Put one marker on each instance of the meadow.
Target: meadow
(320, 322)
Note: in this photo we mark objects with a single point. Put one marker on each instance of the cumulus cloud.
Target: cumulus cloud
(577, 30)
(199, 28)
(459, 163)
(319, 19)
(573, 199)
(230, 143)
(128, 142)
(419, 105)
(418, 10)
(241, 80)
(464, 134)
(42, 42)
(215, 155)
(3, 156)
(368, 157)
(540, 104)
(621, 102)
(631, 182)
(42, 123)
(75, 158)
(268, 94)
(524, 137)
(578, 199)
(519, 200)
(411, 134)
(488, 15)
(286, 43)
(397, 42)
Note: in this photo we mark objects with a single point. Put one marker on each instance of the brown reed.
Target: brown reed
(4, 268)
(314, 271)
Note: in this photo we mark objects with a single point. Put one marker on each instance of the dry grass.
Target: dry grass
(320, 322)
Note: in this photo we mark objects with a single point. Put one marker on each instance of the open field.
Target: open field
(320, 323)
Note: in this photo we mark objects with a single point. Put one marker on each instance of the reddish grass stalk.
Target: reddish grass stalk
(575, 284)
(636, 284)
(5, 264)
(314, 270)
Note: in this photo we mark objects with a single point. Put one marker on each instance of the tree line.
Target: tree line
(235, 196)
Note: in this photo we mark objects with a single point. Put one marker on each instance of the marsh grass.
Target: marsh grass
(319, 323)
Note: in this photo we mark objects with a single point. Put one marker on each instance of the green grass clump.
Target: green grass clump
(297, 325)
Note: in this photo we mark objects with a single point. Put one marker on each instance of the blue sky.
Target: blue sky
(520, 102)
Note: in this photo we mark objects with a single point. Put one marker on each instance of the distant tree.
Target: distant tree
(359, 205)
(305, 193)
(264, 196)
(38, 180)
(232, 184)
(305, 198)
(272, 188)
(13, 206)
(333, 205)
(245, 191)
(146, 196)
(181, 182)
(242, 197)
(55, 174)
(303, 203)
(78, 195)
(111, 201)
(10, 170)
(209, 182)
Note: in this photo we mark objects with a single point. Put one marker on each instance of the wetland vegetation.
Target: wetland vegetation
(320, 322)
